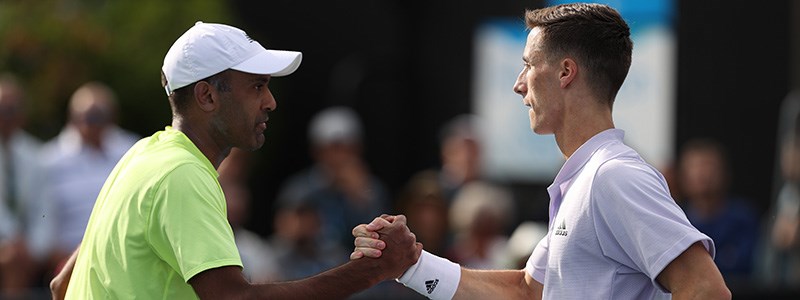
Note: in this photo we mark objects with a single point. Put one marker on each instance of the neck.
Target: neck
(581, 124)
(202, 139)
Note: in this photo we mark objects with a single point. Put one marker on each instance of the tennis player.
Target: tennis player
(159, 229)
(614, 232)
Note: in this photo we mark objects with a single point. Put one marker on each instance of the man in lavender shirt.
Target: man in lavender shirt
(614, 231)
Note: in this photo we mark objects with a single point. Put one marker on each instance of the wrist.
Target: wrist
(432, 276)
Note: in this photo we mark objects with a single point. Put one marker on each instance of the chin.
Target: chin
(539, 130)
(255, 145)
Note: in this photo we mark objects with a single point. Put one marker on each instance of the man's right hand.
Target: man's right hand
(389, 239)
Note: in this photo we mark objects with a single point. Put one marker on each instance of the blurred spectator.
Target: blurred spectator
(728, 220)
(77, 163)
(460, 154)
(453, 211)
(339, 184)
(521, 244)
(779, 262)
(22, 246)
(479, 217)
(298, 243)
(424, 205)
(259, 261)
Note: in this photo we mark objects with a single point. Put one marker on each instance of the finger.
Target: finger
(377, 224)
(362, 231)
(388, 217)
(369, 243)
(398, 224)
(401, 219)
(369, 252)
(356, 255)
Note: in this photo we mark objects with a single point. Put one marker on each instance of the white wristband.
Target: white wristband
(433, 277)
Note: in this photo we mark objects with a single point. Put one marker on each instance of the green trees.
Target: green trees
(53, 46)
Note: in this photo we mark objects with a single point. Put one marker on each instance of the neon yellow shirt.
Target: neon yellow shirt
(159, 220)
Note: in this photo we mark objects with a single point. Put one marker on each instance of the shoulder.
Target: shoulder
(50, 153)
(27, 140)
(187, 174)
(620, 182)
(626, 172)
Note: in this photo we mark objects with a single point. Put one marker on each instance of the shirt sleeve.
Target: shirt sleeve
(188, 227)
(536, 266)
(638, 223)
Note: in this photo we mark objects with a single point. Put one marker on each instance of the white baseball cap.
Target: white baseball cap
(207, 49)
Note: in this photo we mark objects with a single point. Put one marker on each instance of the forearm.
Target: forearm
(702, 294)
(700, 289)
(494, 284)
(337, 283)
(58, 286)
(693, 275)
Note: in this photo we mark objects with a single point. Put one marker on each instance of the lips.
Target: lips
(262, 125)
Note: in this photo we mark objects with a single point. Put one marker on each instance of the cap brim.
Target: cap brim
(271, 62)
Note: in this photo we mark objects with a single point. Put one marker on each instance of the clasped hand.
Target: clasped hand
(387, 238)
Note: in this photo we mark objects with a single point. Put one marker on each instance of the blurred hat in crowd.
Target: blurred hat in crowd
(336, 124)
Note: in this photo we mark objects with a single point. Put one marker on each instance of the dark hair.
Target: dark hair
(181, 97)
(595, 35)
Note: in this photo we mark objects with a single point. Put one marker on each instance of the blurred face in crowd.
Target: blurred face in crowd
(337, 154)
(10, 108)
(461, 158)
(298, 224)
(538, 84)
(91, 112)
(702, 174)
(242, 113)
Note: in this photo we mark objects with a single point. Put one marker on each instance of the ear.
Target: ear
(204, 96)
(569, 71)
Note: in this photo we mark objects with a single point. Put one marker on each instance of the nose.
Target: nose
(519, 86)
(269, 103)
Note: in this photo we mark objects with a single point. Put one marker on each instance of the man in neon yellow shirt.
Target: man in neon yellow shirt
(159, 228)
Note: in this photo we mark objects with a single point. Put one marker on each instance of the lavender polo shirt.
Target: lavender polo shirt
(613, 226)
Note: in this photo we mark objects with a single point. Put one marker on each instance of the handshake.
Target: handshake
(388, 242)
(388, 239)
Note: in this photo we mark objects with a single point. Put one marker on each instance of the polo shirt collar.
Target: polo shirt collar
(581, 156)
(575, 163)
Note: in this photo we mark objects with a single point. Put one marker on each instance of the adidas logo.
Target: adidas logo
(430, 285)
(562, 229)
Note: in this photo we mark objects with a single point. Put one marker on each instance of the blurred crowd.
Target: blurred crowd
(48, 189)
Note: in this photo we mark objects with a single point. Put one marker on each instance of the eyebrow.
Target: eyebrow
(261, 79)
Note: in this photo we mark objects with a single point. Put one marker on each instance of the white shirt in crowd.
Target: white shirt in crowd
(75, 173)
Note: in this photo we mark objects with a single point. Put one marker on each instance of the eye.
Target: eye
(260, 86)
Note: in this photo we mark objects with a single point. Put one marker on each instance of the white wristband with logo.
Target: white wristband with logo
(433, 277)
